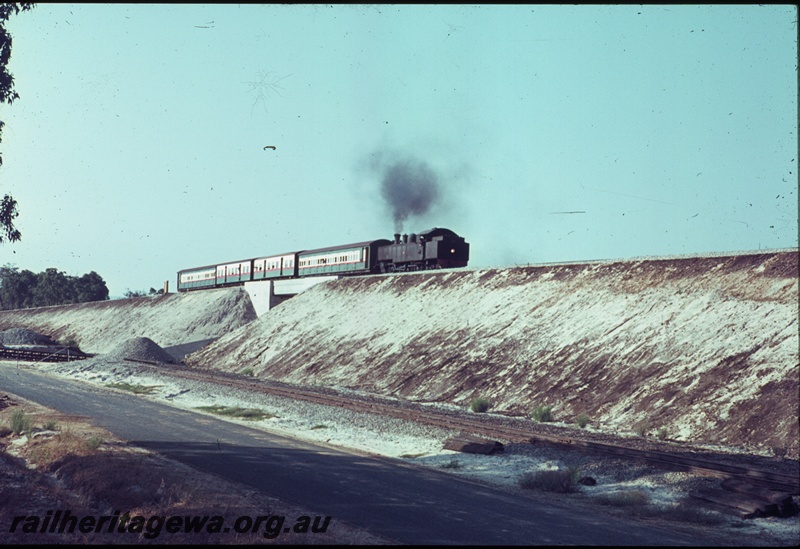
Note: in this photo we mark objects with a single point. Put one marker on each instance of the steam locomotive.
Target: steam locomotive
(435, 248)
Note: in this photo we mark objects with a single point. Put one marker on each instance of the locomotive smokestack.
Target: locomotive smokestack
(405, 239)
(397, 238)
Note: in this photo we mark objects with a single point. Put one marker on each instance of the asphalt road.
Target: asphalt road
(387, 498)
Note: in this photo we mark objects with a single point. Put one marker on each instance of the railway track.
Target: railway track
(507, 429)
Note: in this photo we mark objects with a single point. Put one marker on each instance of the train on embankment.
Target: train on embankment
(436, 248)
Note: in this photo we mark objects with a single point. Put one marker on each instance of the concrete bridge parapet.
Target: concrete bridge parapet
(267, 294)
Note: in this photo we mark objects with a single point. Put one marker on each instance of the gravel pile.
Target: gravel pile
(24, 336)
(140, 348)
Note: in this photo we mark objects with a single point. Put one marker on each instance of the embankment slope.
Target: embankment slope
(704, 347)
(168, 320)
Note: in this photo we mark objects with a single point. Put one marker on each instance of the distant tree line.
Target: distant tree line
(24, 289)
(142, 293)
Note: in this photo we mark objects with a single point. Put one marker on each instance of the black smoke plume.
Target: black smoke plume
(410, 188)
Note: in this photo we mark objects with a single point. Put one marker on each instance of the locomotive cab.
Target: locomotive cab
(445, 249)
(436, 248)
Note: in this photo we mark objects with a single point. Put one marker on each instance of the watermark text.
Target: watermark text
(64, 522)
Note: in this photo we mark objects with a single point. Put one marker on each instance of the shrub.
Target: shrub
(20, 423)
(625, 498)
(68, 342)
(542, 414)
(641, 427)
(49, 450)
(50, 425)
(561, 480)
(582, 420)
(248, 372)
(685, 511)
(253, 414)
(134, 388)
(94, 442)
(480, 405)
(661, 434)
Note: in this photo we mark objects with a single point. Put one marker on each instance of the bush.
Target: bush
(582, 420)
(20, 423)
(47, 450)
(542, 414)
(133, 388)
(94, 442)
(561, 481)
(453, 464)
(253, 414)
(68, 342)
(248, 372)
(480, 405)
(641, 427)
(625, 498)
(661, 434)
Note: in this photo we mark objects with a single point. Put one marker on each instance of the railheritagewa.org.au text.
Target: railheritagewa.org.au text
(64, 522)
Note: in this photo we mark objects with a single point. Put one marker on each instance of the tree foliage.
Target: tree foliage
(8, 206)
(141, 293)
(24, 289)
(8, 213)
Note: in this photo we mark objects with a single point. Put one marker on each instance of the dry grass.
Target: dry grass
(70, 470)
(135, 389)
(625, 498)
(560, 480)
(253, 414)
(43, 451)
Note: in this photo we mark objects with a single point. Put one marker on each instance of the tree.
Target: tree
(24, 289)
(133, 293)
(16, 288)
(8, 206)
(141, 293)
(53, 288)
(90, 287)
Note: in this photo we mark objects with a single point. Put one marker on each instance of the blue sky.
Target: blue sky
(136, 148)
